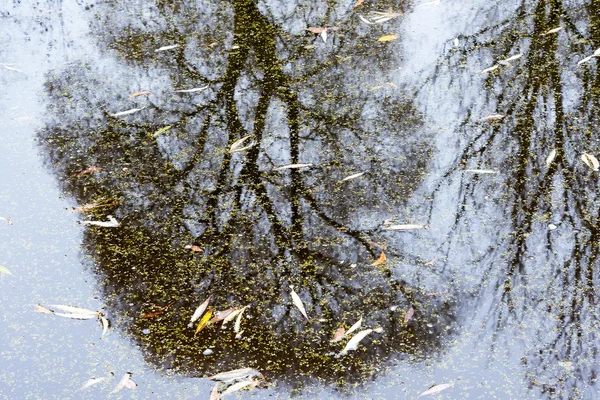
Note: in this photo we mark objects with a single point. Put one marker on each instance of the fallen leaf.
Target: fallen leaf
(433, 294)
(232, 315)
(193, 90)
(200, 310)
(11, 68)
(492, 117)
(509, 59)
(214, 393)
(379, 17)
(111, 223)
(590, 161)
(221, 315)
(204, 321)
(482, 171)
(456, 42)
(104, 326)
(238, 321)
(338, 335)
(366, 21)
(431, 263)
(237, 386)
(238, 143)
(91, 382)
(136, 94)
(298, 302)
(236, 374)
(169, 47)
(354, 327)
(597, 52)
(353, 343)
(405, 227)
(4, 270)
(551, 31)
(124, 382)
(551, 157)
(8, 220)
(358, 3)
(490, 69)
(161, 130)
(292, 166)
(42, 309)
(90, 170)
(409, 314)
(245, 148)
(584, 60)
(193, 247)
(76, 316)
(387, 38)
(128, 112)
(380, 260)
(71, 309)
(436, 389)
(152, 314)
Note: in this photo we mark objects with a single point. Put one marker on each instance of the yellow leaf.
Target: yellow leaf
(387, 38)
(358, 3)
(380, 260)
(204, 320)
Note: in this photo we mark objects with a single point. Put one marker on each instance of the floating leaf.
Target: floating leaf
(90, 170)
(236, 374)
(124, 382)
(409, 314)
(4, 270)
(161, 130)
(238, 143)
(584, 60)
(245, 148)
(380, 260)
(200, 310)
(232, 315)
(509, 59)
(169, 47)
(456, 42)
(387, 38)
(238, 321)
(42, 309)
(482, 171)
(405, 227)
(353, 343)
(490, 69)
(551, 157)
(366, 21)
(204, 321)
(590, 161)
(379, 17)
(128, 112)
(136, 94)
(111, 223)
(354, 327)
(193, 90)
(492, 117)
(358, 3)
(214, 393)
(238, 386)
(338, 335)
(91, 382)
(551, 31)
(71, 309)
(436, 389)
(8, 220)
(292, 166)
(221, 315)
(104, 326)
(597, 53)
(193, 247)
(76, 316)
(298, 302)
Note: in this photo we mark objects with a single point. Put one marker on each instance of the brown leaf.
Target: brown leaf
(221, 315)
(90, 170)
(358, 3)
(136, 94)
(338, 335)
(380, 260)
(409, 314)
(195, 248)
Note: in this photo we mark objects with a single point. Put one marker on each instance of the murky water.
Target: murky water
(474, 122)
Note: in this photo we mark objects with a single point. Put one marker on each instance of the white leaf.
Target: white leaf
(124, 382)
(405, 227)
(231, 316)
(354, 327)
(551, 157)
(133, 110)
(237, 386)
(597, 53)
(292, 166)
(298, 302)
(104, 326)
(482, 171)
(238, 143)
(200, 310)
(584, 60)
(76, 316)
(71, 309)
(492, 117)
(353, 343)
(551, 31)
(490, 69)
(214, 393)
(324, 35)
(172, 46)
(111, 223)
(238, 321)
(366, 21)
(436, 389)
(456, 42)
(194, 90)
(590, 161)
(236, 374)
(353, 176)
(512, 58)
(91, 382)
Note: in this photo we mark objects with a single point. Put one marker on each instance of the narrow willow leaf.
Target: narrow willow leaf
(161, 130)
(42, 309)
(353, 343)
(111, 223)
(597, 53)
(238, 321)
(492, 117)
(233, 314)
(324, 36)
(245, 148)
(409, 314)
(482, 171)
(551, 157)
(366, 21)
(76, 316)
(590, 161)
(236, 374)
(387, 38)
(91, 382)
(169, 47)
(298, 302)
(104, 326)
(551, 31)
(71, 309)
(4, 270)
(380, 260)
(584, 60)
(513, 58)
(292, 166)
(124, 382)
(405, 227)
(436, 389)
(221, 315)
(354, 327)
(237, 386)
(8, 220)
(214, 393)
(204, 321)
(128, 112)
(238, 143)
(90, 170)
(195, 248)
(490, 69)
(141, 93)
(338, 335)
(193, 90)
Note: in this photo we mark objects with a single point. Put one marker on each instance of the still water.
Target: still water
(426, 168)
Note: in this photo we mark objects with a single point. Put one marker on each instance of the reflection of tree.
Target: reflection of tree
(546, 277)
(261, 229)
